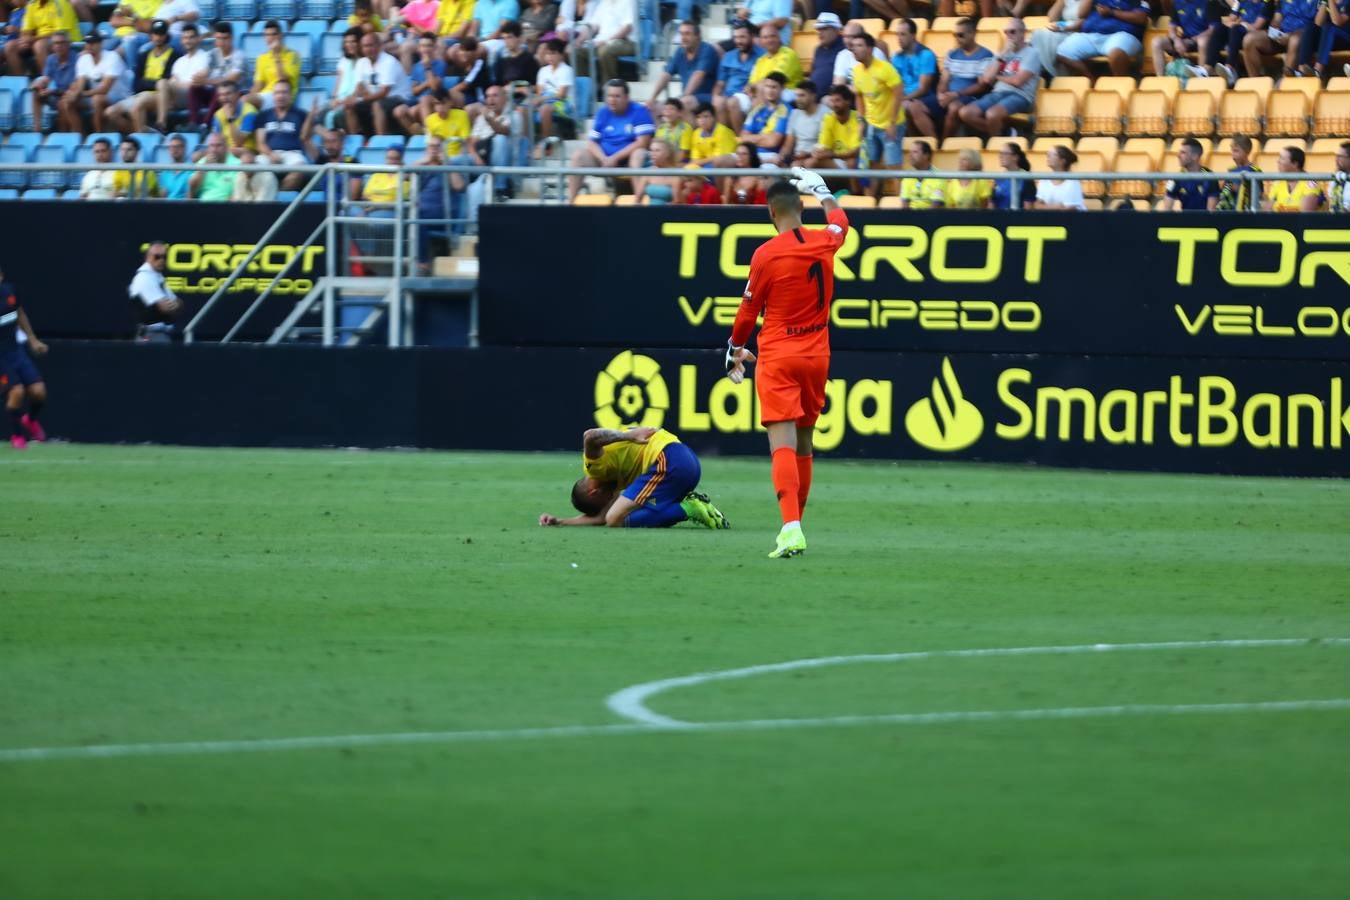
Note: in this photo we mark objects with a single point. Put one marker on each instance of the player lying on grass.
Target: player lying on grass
(639, 478)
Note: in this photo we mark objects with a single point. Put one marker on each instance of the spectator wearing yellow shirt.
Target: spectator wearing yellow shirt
(777, 58)
(236, 120)
(140, 184)
(673, 128)
(383, 187)
(455, 18)
(840, 142)
(968, 193)
(364, 17)
(1293, 196)
(709, 139)
(923, 192)
(41, 19)
(273, 65)
(448, 122)
(881, 102)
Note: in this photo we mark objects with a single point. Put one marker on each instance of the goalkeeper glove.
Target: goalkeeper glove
(736, 359)
(732, 360)
(808, 182)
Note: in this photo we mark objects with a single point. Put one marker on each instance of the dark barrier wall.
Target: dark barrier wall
(72, 262)
(1218, 285)
(1239, 416)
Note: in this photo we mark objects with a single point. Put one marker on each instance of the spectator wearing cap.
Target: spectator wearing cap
(153, 66)
(97, 184)
(58, 75)
(733, 75)
(694, 65)
(173, 13)
(99, 84)
(41, 20)
(274, 64)
(829, 43)
(619, 135)
(696, 189)
(188, 70)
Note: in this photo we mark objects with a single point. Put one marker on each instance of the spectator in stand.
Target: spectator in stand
(887, 10)
(332, 150)
(135, 184)
(256, 186)
(829, 44)
(489, 18)
(41, 20)
(225, 63)
(968, 192)
(236, 120)
(452, 23)
(841, 134)
(435, 204)
(1302, 195)
(381, 88)
(776, 14)
(364, 18)
(845, 62)
(746, 190)
(276, 63)
(56, 80)
(609, 27)
(959, 84)
(495, 137)
(917, 66)
(674, 128)
(283, 135)
(344, 87)
(174, 185)
(804, 123)
(516, 65)
(98, 184)
(710, 140)
(173, 13)
(426, 78)
(100, 83)
(468, 62)
(1195, 25)
(11, 24)
(449, 122)
(1338, 195)
(695, 65)
(1013, 159)
(382, 188)
(778, 57)
(215, 186)
(733, 76)
(419, 16)
(152, 66)
(766, 125)
(1059, 193)
(1013, 77)
(1113, 29)
(536, 22)
(1334, 21)
(1289, 31)
(1244, 16)
(880, 93)
(655, 190)
(188, 70)
(1233, 193)
(697, 190)
(1191, 195)
(1066, 18)
(619, 136)
(924, 192)
(552, 92)
(131, 19)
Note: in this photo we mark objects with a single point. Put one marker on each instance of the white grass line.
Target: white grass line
(338, 741)
(631, 702)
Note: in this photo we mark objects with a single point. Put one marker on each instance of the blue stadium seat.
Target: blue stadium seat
(237, 10)
(85, 156)
(330, 51)
(287, 196)
(24, 114)
(316, 197)
(210, 11)
(254, 45)
(110, 135)
(308, 54)
(324, 83)
(352, 145)
(66, 139)
(417, 145)
(318, 9)
(382, 141)
(282, 10)
(40, 194)
(258, 26)
(9, 178)
(85, 28)
(149, 143)
(7, 117)
(8, 194)
(26, 141)
(68, 195)
(371, 156)
(585, 98)
(310, 98)
(345, 8)
(15, 84)
(50, 178)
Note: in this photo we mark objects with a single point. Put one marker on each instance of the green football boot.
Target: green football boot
(791, 542)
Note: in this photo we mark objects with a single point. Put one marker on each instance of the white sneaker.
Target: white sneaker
(1229, 74)
(1199, 71)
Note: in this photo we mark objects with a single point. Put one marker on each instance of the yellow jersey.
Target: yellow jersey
(382, 187)
(157, 65)
(785, 61)
(1287, 196)
(841, 137)
(138, 184)
(267, 74)
(622, 462)
(924, 193)
(974, 195)
(453, 128)
(43, 19)
(354, 21)
(875, 84)
(721, 142)
(246, 122)
(677, 135)
(141, 9)
(453, 15)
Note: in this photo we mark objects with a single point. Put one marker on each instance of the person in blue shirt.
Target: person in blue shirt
(619, 136)
(175, 184)
(695, 65)
(58, 74)
(733, 73)
(1243, 15)
(1334, 20)
(488, 16)
(958, 85)
(1290, 30)
(829, 45)
(283, 135)
(1113, 29)
(1195, 25)
(916, 64)
(1013, 159)
(20, 380)
(1191, 196)
(762, 12)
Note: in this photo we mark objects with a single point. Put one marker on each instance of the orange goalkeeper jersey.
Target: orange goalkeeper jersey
(792, 284)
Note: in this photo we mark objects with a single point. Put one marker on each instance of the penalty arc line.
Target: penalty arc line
(339, 741)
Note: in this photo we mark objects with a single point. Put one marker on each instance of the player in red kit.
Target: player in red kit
(791, 285)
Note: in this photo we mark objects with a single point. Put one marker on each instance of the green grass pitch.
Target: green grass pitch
(158, 595)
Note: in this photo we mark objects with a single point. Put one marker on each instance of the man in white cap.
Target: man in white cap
(830, 43)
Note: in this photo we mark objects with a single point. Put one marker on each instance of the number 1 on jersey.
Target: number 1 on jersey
(816, 272)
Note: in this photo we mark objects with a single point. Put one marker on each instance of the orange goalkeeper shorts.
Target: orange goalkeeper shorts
(792, 389)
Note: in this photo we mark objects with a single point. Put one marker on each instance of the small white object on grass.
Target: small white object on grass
(574, 565)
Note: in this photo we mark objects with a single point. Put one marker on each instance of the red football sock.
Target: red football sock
(785, 483)
(803, 482)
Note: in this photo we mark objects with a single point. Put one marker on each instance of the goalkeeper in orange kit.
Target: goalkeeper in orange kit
(792, 285)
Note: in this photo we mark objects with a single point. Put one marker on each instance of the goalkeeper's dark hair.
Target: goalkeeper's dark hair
(782, 197)
(583, 502)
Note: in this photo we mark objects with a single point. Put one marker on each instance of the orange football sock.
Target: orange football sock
(803, 482)
(786, 484)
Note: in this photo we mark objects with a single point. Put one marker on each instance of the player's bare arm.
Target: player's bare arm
(34, 344)
(596, 439)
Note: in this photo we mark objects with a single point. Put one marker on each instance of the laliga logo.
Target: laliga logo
(945, 421)
(631, 391)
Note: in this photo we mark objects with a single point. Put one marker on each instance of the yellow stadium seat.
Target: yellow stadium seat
(989, 161)
(1079, 85)
(1339, 83)
(890, 202)
(1146, 62)
(873, 27)
(946, 160)
(940, 42)
(593, 200)
(1223, 151)
(1308, 86)
(1045, 144)
(1147, 113)
(1288, 112)
(1092, 162)
(962, 143)
(1168, 84)
(1262, 84)
(990, 40)
(1092, 204)
(996, 143)
(1327, 145)
(1035, 23)
(1240, 113)
(1193, 112)
(1105, 147)
(1155, 147)
(1331, 113)
(1321, 163)
(1123, 85)
(1267, 161)
(943, 23)
(1056, 112)
(1215, 87)
(626, 200)
(1132, 162)
(861, 201)
(1101, 112)
(992, 23)
(804, 45)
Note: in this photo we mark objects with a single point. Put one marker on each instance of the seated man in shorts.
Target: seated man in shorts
(1013, 78)
(1113, 29)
